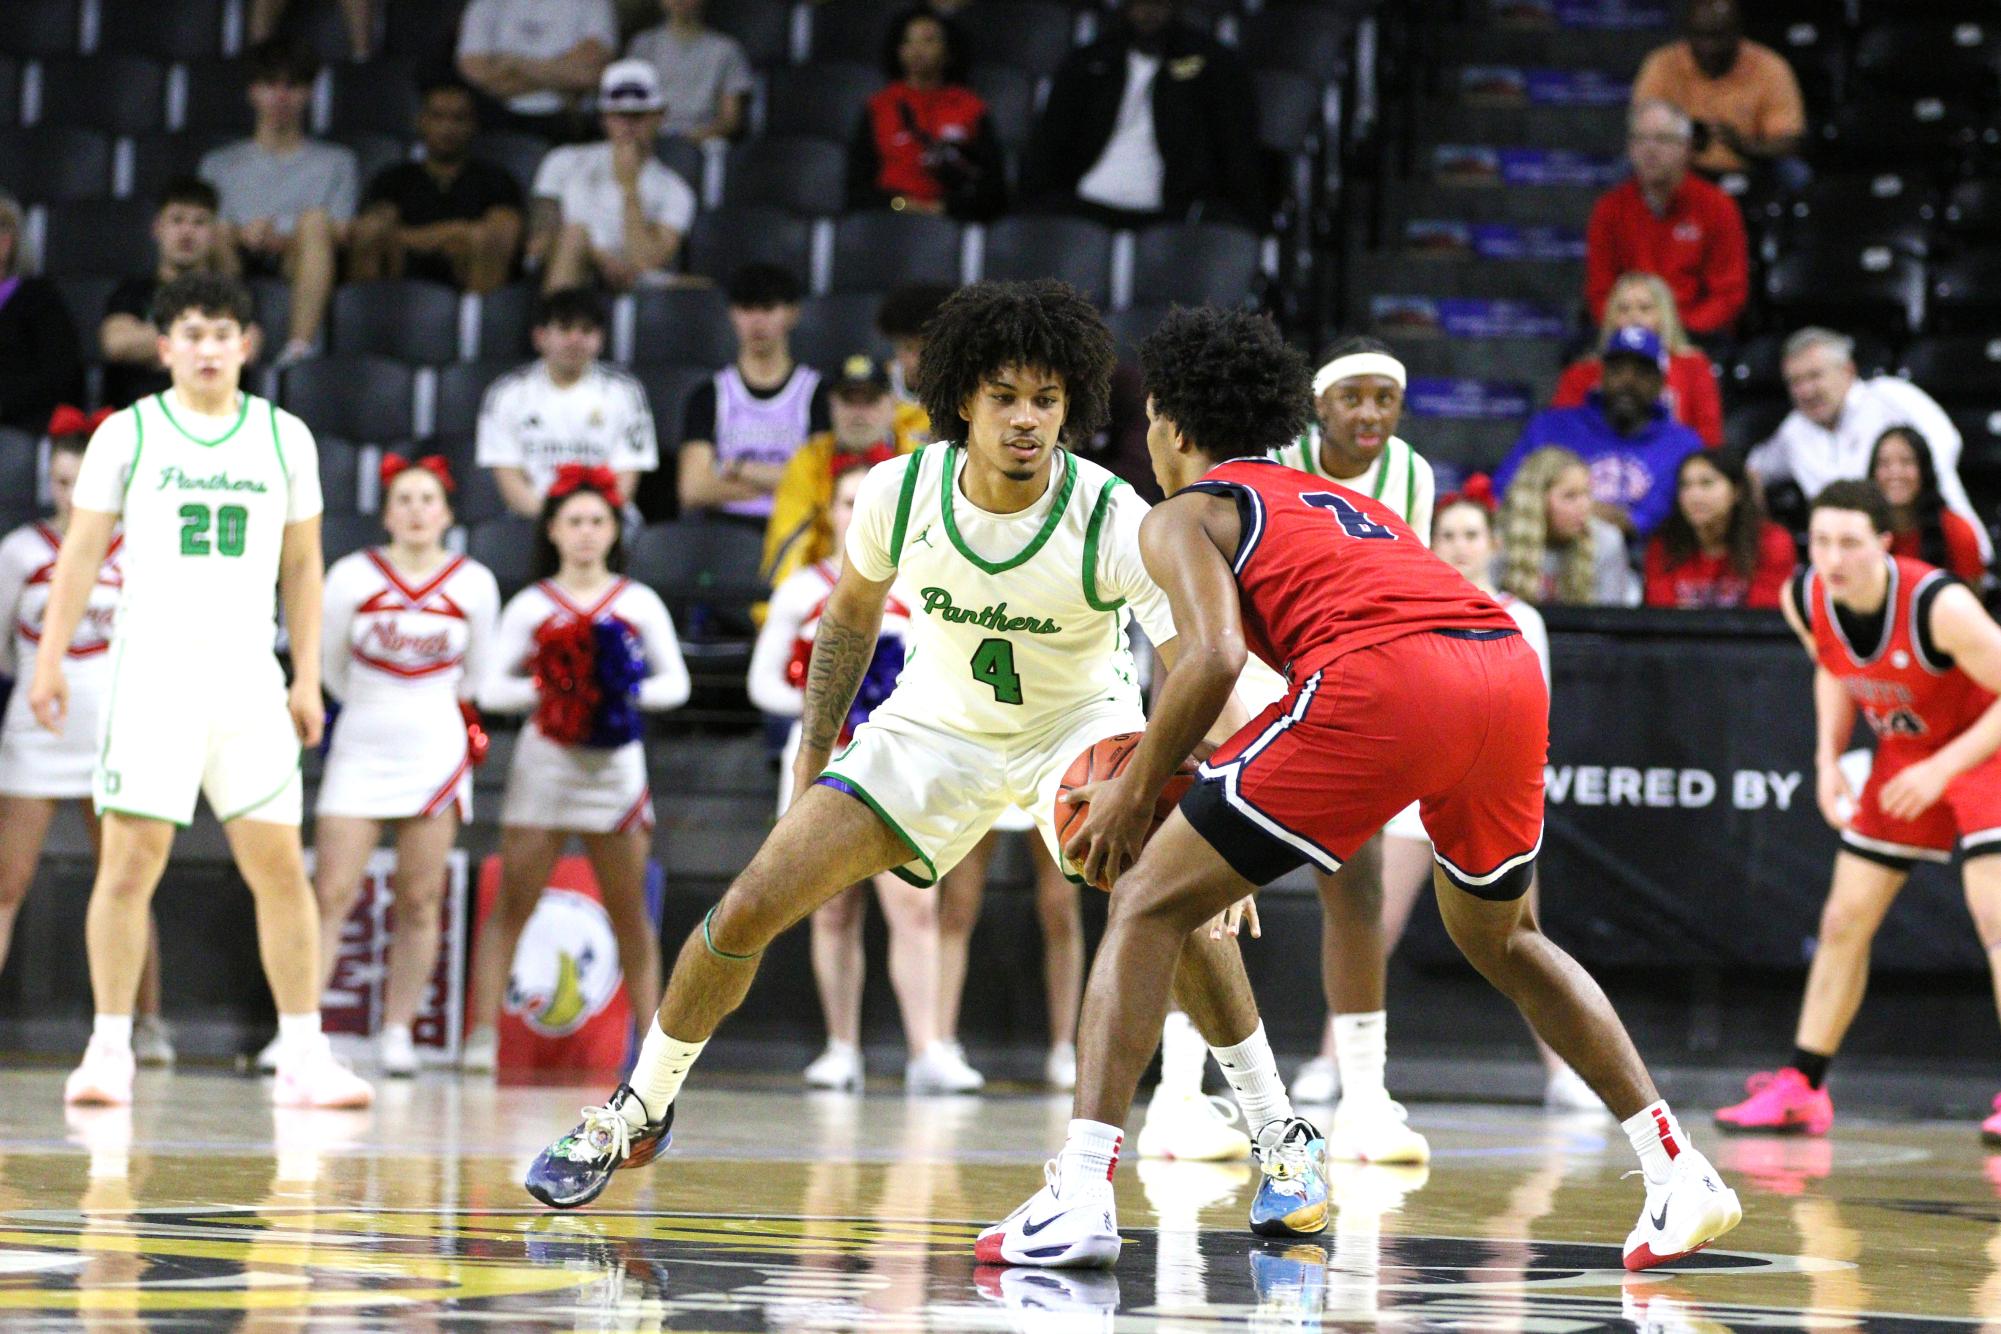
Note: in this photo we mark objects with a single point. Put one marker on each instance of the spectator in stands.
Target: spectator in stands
(1554, 549)
(1743, 95)
(925, 142)
(566, 406)
(450, 218)
(538, 58)
(358, 15)
(1152, 121)
(1838, 416)
(1622, 431)
(704, 74)
(901, 319)
(611, 210)
(39, 363)
(185, 240)
(1666, 221)
(864, 413)
(741, 429)
(1717, 548)
(1924, 529)
(286, 200)
(1691, 393)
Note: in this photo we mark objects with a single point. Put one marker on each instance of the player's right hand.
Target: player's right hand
(1831, 791)
(48, 697)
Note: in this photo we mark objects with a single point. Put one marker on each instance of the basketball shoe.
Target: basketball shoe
(1041, 1301)
(1292, 1194)
(576, 1168)
(1375, 1130)
(839, 1067)
(315, 1078)
(1682, 1214)
(103, 1077)
(1318, 1081)
(1780, 1101)
(942, 1068)
(1065, 1225)
(1193, 1127)
(1990, 1129)
(152, 1041)
(1291, 1288)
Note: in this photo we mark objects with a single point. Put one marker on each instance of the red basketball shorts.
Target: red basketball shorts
(1455, 720)
(1968, 814)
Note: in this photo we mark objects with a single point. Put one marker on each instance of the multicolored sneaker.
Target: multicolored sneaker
(1990, 1129)
(1682, 1214)
(1781, 1102)
(1292, 1193)
(576, 1168)
(1291, 1288)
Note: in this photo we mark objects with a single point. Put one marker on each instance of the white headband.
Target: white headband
(1358, 363)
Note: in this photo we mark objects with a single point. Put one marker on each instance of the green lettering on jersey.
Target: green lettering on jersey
(171, 476)
(938, 602)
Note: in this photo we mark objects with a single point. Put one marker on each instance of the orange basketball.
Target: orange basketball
(1108, 759)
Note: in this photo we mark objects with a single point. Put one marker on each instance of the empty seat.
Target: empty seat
(367, 399)
(462, 388)
(1907, 135)
(834, 327)
(19, 452)
(344, 533)
(273, 297)
(373, 152)
(85, 296)
(851, 30)
(427, 30)
(762, 27)
(707, 573)
(874, 252)
(1048, 246)
(107, 236)
(340, 474)
(724, 239)
(1291, 110)
(1751, 422)
(684, 159)
(685, 325)
(1973, 210)
(506, 546)
(1887, 208)
(409, 320)
(1305, 39)
(1979, 426)
(41, 28)
(667, 389)
(1953, 61)
(10, 90)
(1876, 288)
(1031, 35)
(506, 318)
(519, 153)
(182, 30)
(1195, 264)
(1010, 97)
(823, 98)
(49, 162)
(119, 94)
(797, 173)
(322, 29)
(1955, 367)
(379, 96)
(1965, 294)
(217, 95)
(159, 158)
(1131, 326)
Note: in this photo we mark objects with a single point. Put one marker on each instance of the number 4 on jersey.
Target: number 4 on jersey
(993, 664)
(1353, 521)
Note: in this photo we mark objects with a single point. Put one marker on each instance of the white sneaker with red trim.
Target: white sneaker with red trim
(1065, 1225)
(1682, 1214)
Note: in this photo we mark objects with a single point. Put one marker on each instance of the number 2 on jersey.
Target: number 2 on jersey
(229, 522)
(993, 664)
(1356, 523)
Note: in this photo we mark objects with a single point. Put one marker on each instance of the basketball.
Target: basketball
(1108, 759)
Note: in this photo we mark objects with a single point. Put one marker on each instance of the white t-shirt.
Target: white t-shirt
(526, 421)
(1129, 173)
(579, 178)
(538, 29)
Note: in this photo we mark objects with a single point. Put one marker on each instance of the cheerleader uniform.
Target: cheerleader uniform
(35, 762)
(551, 785)
(399, 656)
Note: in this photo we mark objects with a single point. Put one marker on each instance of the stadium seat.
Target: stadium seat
(1031, 35)
(851, 30)
(667, 389)
(20, 454)
(1873, 288)
(688, 326)
(1973, 210)
(105, 236)
(1010, 96)
(84, 296)
(1921, 134)
(823, 98)
(322, 29)
(380, 96)
(1306, 39)
(409, 320)
(425, 31)
(1794, 25)
(340, 474)
(1875, 208)
(799, 174)
(506, 546)
(762, 27)
(1752, 421)
(1930, 58)
(42, 28)
(119, 94)
(834, 327)
(182, 30)
(1965, 294)
(478, 497)
(506, 318)
(1291, 110)
(1134, 323)
(51, 162)
(724, 239)
(684, 159)
(519, 153)
(707, 574)
(461, 389)
(10, 91)
(1960, 367)
(343, 534)
(874, 252)
(274, 309)
(1979, 433)
(373, 152)
(1049, 246)
(1195, 263)
(366, 399)
(217, 96)
(159, 158)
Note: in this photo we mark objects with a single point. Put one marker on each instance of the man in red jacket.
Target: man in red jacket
(1668, 222)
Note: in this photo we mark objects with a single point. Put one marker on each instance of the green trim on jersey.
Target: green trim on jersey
(138, 444)
(916, 852)
(111, 699)
(903, 499)
(267, 798)
(1049, 524)
(278, 444)
(1091, 532)
(1309, 453)
(242, 415)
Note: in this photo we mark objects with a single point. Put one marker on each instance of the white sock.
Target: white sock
(1361, 1047)
(113, 1030)
(1657, 1137)
(1183, 1054)
(656, 1076)
(1090, 1156)
(299, 1034)
(1254, 1078)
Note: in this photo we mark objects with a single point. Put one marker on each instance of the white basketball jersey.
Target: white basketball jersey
(1015, 620)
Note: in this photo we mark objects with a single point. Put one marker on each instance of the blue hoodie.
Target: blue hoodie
(1633, 471)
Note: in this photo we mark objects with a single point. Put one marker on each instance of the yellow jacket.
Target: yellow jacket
(798, 532)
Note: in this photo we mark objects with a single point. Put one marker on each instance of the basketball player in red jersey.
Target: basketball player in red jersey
(1910, 648)
(1405, 684)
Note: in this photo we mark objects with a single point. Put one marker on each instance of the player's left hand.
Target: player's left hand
(309, 712)
(1234, 918)
(1114, 827)
(1913, 791)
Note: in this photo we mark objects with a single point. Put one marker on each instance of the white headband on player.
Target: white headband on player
(1358, 363)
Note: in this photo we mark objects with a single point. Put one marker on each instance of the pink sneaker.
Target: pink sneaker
(103, 1078)
(1781, 1102)
(318, 1080)
(1990, 1129)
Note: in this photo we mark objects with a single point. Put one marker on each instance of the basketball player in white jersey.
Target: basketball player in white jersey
(1024, 562)
(38, 770)
(219, 494)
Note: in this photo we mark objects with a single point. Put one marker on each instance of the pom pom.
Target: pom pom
(477, 740)
(878, 680)
(620, 667)
(565, 670)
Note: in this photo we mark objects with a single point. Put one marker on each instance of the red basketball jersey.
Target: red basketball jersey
(1323, 571)
(1911, 694)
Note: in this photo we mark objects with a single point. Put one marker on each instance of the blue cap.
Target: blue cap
(1635, 340)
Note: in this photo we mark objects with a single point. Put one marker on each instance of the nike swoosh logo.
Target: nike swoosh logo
(1659, 1220)
(1029, 1227)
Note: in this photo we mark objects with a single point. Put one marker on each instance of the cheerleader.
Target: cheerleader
(586, 650)
(777, 686)
(38, 769)
(409, 629)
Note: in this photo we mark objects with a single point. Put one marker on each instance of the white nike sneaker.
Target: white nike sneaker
(941, 1068)
(1080, 1232)
(102, 1078)
(152, 1040)
(1042, 1301)
(1194, 1127)
(396, 1051)
(313, 1078)
(1059, 1068)
(1374, 1130)
(1682, 1214)
(1567, 1092)
(481, 1053)
(839, 1067)
(1318, 1081)
(267, 1057)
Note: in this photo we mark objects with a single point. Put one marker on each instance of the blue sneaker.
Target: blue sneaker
(1292, 1196)
(576, 1168)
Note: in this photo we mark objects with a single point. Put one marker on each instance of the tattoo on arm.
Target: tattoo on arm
(841, 655)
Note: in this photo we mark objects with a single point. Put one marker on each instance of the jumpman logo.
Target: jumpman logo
(923, 537)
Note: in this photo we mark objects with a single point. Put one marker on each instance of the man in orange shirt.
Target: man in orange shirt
(1742, 93)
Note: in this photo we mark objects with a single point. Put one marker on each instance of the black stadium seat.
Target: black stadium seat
(182, 30)
(520, 154)
(726, 238)
(1131, 325)
(1752, 421)
(159, 158)
(344, 534)
(1965, 294)
(380, 96)
(797, 173)
(667, 389)
(823, 98)
(851, 30)
(1973, 210)
(1961, 367)
(506, 318)
(1876, 288)
(688, 326)
(1031, 35)
(50, 162)
(874, 252)
(412, 321)
(19, 453)
(218, 96)
(505, 546)
(1050, 246)
(1010, 97)
(762, 27)
(1194, 263)
(834, 327)
(462, 388)
(84, 296)
(104, 236)
(366, 399)
(1306, 39)
(1951, 61)
(117, 94)
(340, 474)
(1886, 208)
(42, 27)
(1911, 134)
(10, 91)
(373, 151)
(1291, 110)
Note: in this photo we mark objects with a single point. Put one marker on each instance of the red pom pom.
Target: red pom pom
(565, 672)
(477, 740)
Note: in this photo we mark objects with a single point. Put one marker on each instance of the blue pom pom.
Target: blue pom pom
(621, 666)
(878, 680)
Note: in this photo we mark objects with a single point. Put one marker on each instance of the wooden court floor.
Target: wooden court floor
(203, 1208)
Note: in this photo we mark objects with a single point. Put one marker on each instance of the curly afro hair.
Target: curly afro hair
(1227, 379)
(1044, 324)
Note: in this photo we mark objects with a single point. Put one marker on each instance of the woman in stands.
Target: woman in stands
(1716, 547)
(409, 634)
(37, 769)
(585, 651)
(1901, 466)
(925, 143)
(1554, 548)
(1691, 393)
